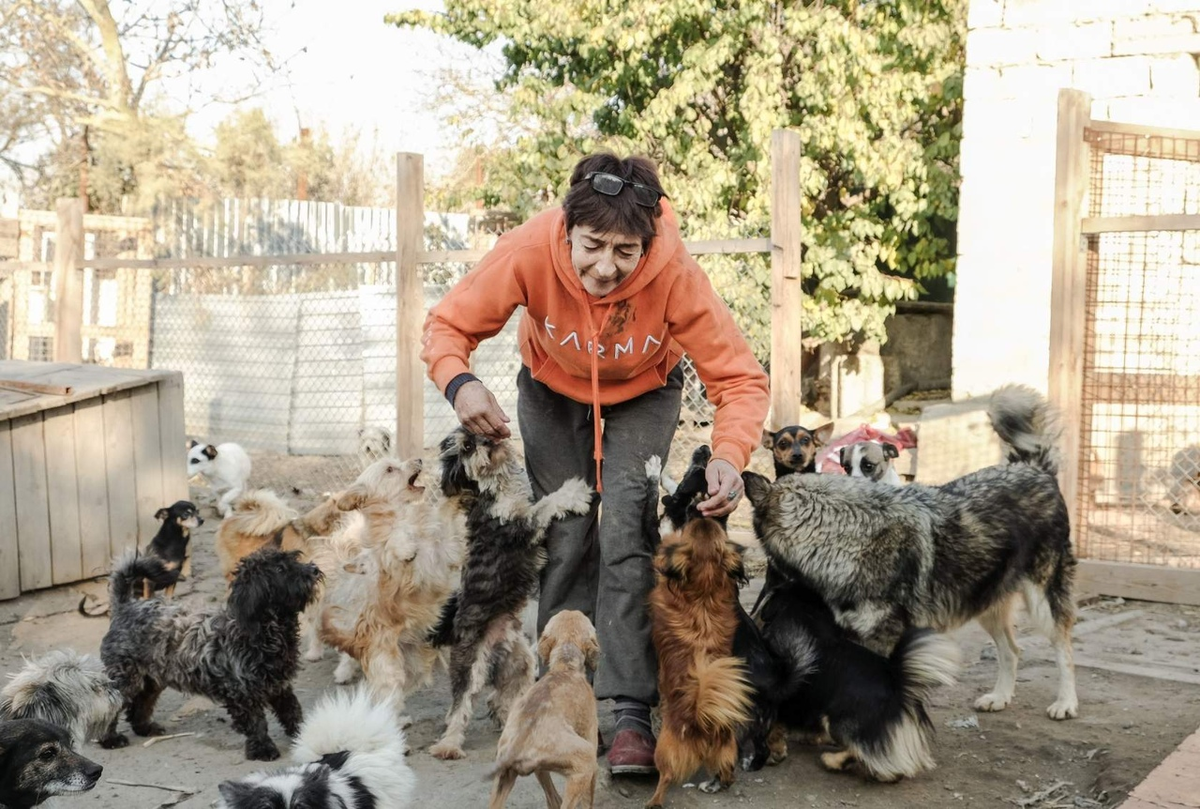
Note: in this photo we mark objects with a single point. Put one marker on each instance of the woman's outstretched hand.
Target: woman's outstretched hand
(724, 489)
(478, 411)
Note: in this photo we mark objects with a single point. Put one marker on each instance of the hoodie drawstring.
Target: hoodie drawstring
(597, 435)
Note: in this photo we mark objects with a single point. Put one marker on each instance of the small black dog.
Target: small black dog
(242, 656)
(170, 545)
(794, 448)
(38, 762)
(871, 706)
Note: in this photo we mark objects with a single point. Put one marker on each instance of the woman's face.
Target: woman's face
(603, 260)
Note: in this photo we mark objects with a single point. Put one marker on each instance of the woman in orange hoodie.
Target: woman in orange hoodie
(612, 302)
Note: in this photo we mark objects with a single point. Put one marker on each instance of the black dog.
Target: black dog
(170, 545)
(37, 762)
(242, 656)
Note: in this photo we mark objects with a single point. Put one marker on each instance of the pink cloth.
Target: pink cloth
(828, 462)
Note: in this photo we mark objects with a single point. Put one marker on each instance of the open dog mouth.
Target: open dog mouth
(412, 481)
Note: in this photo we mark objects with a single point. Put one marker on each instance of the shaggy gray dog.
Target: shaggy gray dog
(885, 558)
(66, 689)
(482, 621)
(242, 656)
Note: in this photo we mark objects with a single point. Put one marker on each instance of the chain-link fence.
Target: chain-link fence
(1140, 431)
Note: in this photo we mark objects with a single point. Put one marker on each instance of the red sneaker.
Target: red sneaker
(631, 753)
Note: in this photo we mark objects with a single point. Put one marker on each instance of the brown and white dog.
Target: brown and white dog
(260, 518)
(552, 727)
(871, 460)
(704, 690)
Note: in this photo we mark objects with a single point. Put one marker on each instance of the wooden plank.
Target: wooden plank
(33, 514)
(172, 437)
(1122, 128)
(1171, 585)
(1068, 311)
(119, 471)
(1173, 784)
(147, 460)
(37, 387)
(1140, 224)
(66, 546)
(10, 570)
(68, 281)
(787, 296)
(708, 247)
(95, 550)
(85, 381)
(410, 304)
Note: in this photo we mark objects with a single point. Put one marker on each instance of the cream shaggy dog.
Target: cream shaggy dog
(391, 568)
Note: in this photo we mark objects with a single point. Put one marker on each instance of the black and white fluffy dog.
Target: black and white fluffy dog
(505, 555)
(242, 656)
(63, 688)
(886, 558)
(349, 754)
(38, 762)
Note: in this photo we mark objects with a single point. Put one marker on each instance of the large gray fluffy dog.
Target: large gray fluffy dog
(63, 688)
(242, 656)
(885, 557)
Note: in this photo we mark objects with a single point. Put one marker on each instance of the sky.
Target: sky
(345, 67)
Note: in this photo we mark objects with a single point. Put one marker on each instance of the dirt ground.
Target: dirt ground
(1139, 688)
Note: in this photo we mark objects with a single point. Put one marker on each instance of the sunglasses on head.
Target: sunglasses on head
(611, 185)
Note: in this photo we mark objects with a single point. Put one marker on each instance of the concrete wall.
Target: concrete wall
(1137, 58)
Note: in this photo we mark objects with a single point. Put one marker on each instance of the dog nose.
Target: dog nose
(93, 771)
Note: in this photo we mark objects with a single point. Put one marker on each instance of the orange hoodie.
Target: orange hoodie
(639, 331)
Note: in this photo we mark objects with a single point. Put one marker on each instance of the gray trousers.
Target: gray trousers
(601, 566)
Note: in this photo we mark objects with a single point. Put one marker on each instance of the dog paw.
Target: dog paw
(576, 496)
(115, 741)
(262, 751)
(1063, 709)
(992, 702)
(712, 786)
(836, 762)
(447, 752)
(150, 729)
(654, 468)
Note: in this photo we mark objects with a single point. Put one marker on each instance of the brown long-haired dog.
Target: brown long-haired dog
(552, 726)
(703, 689)
(260, 517)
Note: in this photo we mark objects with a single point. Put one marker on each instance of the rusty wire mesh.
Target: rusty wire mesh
(1140, 423)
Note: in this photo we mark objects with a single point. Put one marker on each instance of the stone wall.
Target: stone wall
(1137, 59)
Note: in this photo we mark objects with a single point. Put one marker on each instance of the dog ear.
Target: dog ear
(889, 450)
(591, 652)
(768, 439)
(668, 565)
(162, 514)
(235, 794)
(192, 444)
(210, 452)
(757, 487)
(735, 565)
(545, 647)
(353, 498)
(822, 433)
(844, 457)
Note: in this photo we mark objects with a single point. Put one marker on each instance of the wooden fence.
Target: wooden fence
(1125, 350)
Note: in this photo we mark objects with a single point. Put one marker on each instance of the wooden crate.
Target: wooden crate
(84, 468)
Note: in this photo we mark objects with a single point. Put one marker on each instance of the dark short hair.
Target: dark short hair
(619, 214)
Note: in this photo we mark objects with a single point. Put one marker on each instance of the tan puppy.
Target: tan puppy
(260, 517)
(552, 726)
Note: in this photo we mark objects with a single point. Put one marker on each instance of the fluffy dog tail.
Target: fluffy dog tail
(721, 696)
(64, 688)
(922, 661)
(361, 738)
(259, 513)
(129, 570)
(1028, 425)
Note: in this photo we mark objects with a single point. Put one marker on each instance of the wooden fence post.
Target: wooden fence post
(786, 294)
(410, 304)
(68, 282)
(1068, 302)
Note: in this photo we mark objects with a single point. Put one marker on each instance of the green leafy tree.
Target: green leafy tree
(873, 87)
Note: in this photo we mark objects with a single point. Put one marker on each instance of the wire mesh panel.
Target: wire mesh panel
(1140, 447)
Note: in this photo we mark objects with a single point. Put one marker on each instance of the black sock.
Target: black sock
(632, 714)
